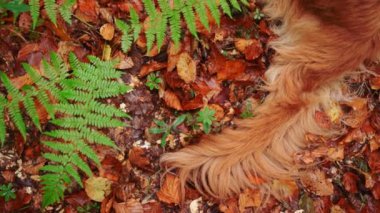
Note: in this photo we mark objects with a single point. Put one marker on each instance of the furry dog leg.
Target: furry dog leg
(319, 41)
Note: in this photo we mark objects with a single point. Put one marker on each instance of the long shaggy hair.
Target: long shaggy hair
(319, 41)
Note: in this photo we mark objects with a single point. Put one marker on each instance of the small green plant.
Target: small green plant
(77, 112)
(153, 81)
(52, 9)
(247, 110)
(15, 6)
(258, 15)
(165, 15)
(165, 129)
(206, 117)
(7, 192)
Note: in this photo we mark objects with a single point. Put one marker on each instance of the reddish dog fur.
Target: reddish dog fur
(319, 41)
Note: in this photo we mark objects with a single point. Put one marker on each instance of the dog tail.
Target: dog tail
(264, 146)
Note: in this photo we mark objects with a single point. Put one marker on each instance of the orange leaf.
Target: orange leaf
(137, 157)
(151, 67)
(107, 31)
(170, 190)
(172, 100)
(186, 67)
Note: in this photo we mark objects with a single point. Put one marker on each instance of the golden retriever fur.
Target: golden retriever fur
(319, 41)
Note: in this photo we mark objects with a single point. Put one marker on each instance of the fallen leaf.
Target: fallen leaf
(152, 207)
(375, 83)
(248, 199)
(87, 10)
(284, 189)
(170, 190)
(151, 67)
(317, 182)
(376, 191)
(350, 181)
(186, 67)
(172, 100)
(137, 157)
(251, 48)
(131, 206)
(125, 62)
(229, 206)
(107, 31)
(97, 188)
(374, 162)
(231, 70)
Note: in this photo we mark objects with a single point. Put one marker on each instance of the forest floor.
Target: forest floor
(223, 70)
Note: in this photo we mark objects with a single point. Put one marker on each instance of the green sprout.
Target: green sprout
(258, 15)
(247, 111)
(7, 192)
(165, 129)
(206, 117)
(153, 81)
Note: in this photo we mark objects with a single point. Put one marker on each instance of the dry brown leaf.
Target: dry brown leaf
(87, 11)
(137, 157)
(229, 206)
(186, 67)
(317, 182)
(131, 206)
(97, 188)
(350, 181)
(359, 114)
(170, 190)
(251, 48)
(375, 83)
(107, 31)
(172, 100)
(284, 189)
(125, 62)
(151, 67)
(231, 70)
(248, 199)
(173, 55)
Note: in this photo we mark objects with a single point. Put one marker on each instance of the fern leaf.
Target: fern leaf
(150, 33)
(87, 151)
(58, 65)
(175, 27)
(161, 30)
(126, 42)
(235, 4)
(74, 61)
(36, 78)
(31, 110)
(3, 102)
(245, 2)
(225, 7)
(34, 6)
(73, 173)
(53, 189)
(49, 70)
(96, 137)
(202, 14)
(150, 8)
(51, 10)
(65, 148)
(188, 14)
(12, 90)
(53, 168)
(44, 99)
(65, 10)
(56, 158)
(211, 4)
(135, 23)
(77, 161)
(16, 116)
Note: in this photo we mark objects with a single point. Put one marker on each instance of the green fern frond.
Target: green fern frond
(225, 7)
(34, 6)
(161, 30)
(53, 189)
(235, 4)
(63, 159)
(32, 110)
(126, 38)
(3, 102)
(44, 99)
(150, 34)
(16, 116)
(87, 151)
(188, 14)
(77, 161)
(65, 148)
(53, 168)
(135, 23)
(69, 169)
(213, 7)
(12, 90)
(51, 10)
(202, 14)
(150, 8)
(65, 10)
(175, 27)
